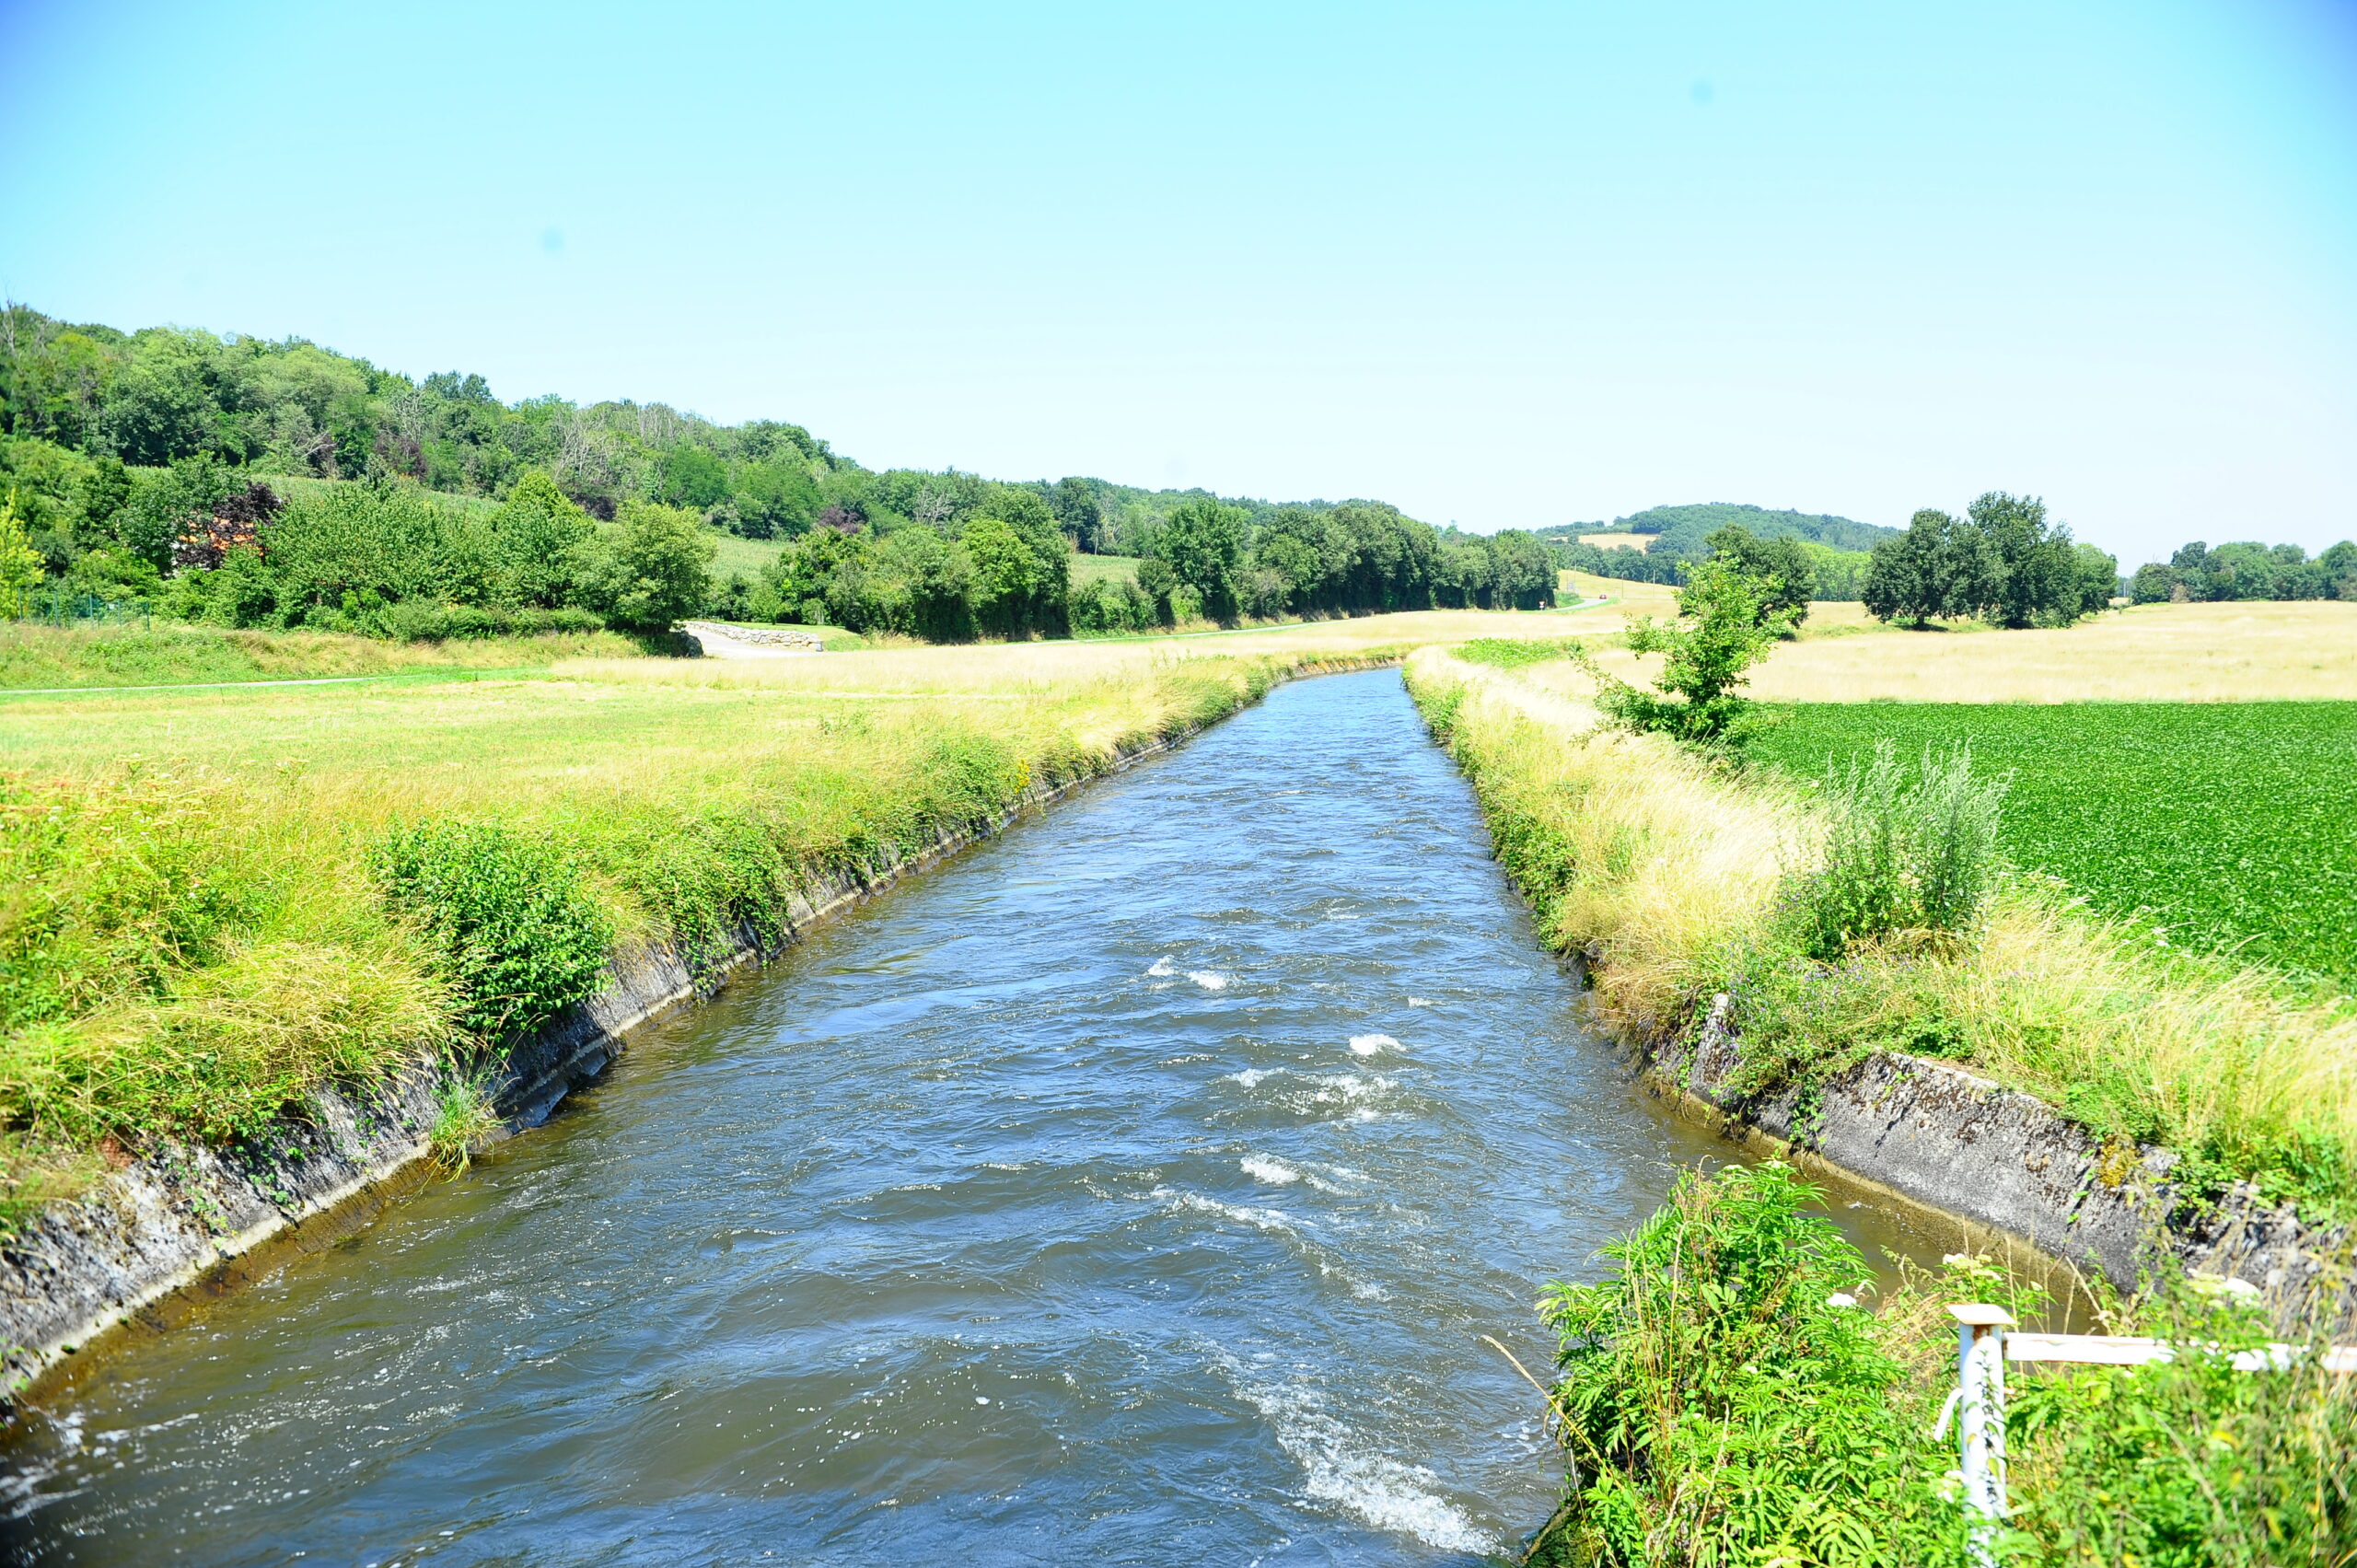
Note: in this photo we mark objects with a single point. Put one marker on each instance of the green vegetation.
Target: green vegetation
(1910, 856)
(36, 656)
(223, 899)
(2224, 827)
(1834, 546)
(2001, 561)
(2247, 570)
(1728, 621)
(248, 484)
(1732, 1395)
(1679, 880)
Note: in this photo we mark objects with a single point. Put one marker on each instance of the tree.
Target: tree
(539, 539)
(2036, 576)
(1723, 627)
(1522, 573)
(1204, 542)
(693, 477)
(20, 565)
(1782, 566)
(1939, 567)
(1039, 604)
(1006, 574)
(776, 500)
(1077, 513)
(2152, 584)
(2098, 576)
(1157, 581)
(655, 568)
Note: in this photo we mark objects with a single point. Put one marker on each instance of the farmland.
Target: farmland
(2231, 826)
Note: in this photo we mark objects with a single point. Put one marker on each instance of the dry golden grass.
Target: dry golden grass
(1673, 871)
(2169, 652)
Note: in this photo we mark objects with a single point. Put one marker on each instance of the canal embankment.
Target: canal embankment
(141, 1169)
(2117, 1112)
(1137, 1186)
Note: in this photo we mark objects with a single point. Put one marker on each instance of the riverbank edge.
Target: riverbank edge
(1998, 1163)
(190, 1220)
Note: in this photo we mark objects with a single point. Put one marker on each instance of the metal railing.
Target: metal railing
(1985, 1343)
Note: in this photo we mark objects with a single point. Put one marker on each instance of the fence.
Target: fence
(55, 607)
(1984, 1345)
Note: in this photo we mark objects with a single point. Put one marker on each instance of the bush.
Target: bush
(1725, 624)
(1722, 1400)
(520, 936)
(654, 570)
(1906, 852)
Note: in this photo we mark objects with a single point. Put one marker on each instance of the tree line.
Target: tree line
(279, 483)
(2247, 570)
(2002, 561)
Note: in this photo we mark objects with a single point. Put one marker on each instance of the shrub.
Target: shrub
(655, 569)
(1905, 853)
(520, 936)
(1726, 625)
(1722, 1400)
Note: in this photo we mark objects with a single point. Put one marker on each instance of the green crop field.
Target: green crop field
(1090, 568)
(2236, 823)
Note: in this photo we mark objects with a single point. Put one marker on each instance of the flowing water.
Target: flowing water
(1133, 1189)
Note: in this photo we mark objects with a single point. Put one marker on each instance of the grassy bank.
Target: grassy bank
(222, 898)
(1733, 1391)
(1675, 881)
(219, 899)
(2228, 826)
(33, 657)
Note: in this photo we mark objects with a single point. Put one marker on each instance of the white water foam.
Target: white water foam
(1163, 966)
(1274, 1172)
(1210, 980)
(1418, 1001)
(1379, 1490)
(1368, 1045)
(1258, 1219)
(1250, 1077)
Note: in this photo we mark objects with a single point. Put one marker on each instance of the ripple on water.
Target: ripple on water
(1045, 1128)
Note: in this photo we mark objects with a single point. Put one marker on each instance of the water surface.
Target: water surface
(1133, 1190)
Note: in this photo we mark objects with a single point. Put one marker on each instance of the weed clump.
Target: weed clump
(1732, 1396)
(464, 1119)
(1724, 1399)
(1908, 853)
(517, 933)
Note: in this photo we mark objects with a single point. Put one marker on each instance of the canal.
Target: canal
(1133, 1189)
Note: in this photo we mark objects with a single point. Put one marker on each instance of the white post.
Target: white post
(1980, 1429)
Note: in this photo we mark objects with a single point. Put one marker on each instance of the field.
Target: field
(736, 557)
(38, 656)
(1098, 568)
(2235, 824)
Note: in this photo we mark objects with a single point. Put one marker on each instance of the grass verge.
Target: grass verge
(166, 654)
(1677, 883)
(218, 901)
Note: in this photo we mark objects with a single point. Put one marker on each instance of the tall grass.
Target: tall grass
(1674, 882)
(1732, 1392)
(281, 889)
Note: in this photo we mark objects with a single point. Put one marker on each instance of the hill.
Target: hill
(1680, 531)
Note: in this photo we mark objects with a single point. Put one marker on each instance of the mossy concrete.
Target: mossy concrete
(1954, 1141)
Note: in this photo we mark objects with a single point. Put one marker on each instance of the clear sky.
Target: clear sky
(1503, 264)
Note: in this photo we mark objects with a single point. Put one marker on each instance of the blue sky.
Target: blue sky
(1504, 264)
